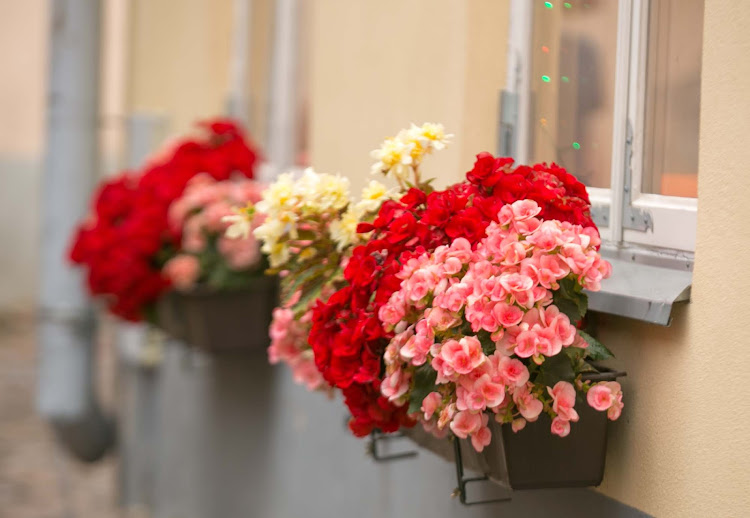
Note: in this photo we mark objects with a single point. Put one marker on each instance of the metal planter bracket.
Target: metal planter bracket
(463, 482)
(377, 437)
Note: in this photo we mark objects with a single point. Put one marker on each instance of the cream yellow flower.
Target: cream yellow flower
(278, 254)
(344, 230)
(394, 158)
(373, 196)
(429, 136)
(240, 223)
(279, 195)
(239, 226)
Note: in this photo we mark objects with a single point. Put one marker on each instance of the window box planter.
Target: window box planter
(227, 320)
(534, 458)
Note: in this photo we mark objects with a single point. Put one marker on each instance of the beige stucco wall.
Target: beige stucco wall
(23, 25)
(393, 62)
(179, 59)
(682, 448)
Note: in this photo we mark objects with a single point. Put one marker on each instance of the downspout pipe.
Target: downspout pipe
(283, 116)
(66, 395)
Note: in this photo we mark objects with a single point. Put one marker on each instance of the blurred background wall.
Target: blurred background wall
(23, 53)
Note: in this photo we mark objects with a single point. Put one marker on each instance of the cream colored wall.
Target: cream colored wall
(179, 59)
(393, 62)
(23, 61)
(682, 448)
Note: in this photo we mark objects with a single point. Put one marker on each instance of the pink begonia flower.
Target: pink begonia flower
(395, 385)
(616, 409)
(463, 356)
(505, 216)
(306, 373)
(606, 395)
(282, 318)
(483, 436)
(548, 343)
(440, 319)
(182, 271)
(418, 285)
(446, 415)
(600, 397)
(516, 282)
(560, 426)
(430, 404)
(518, 424)
(512, 371)
(526, 344)
(526, 227)
(415, 349)
(560, 323)
(460, 249)
(575, 258)
(492, 393)
(525, 209)
(563, 400)
(529, 406)
(465, 423)
(444, 371)
(193, 238)
(507, 315)
(547, 237)
(513, 254)
(392, 312)
(469, 400)
(452, 265)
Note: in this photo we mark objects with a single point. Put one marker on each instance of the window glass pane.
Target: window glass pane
(573, 77)
(673, 97)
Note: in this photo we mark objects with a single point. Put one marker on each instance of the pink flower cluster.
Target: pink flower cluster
(289, 344)
(197, 217)
(475, 315)
(606, 396)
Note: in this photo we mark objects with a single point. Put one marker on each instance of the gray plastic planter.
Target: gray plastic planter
(533, 458)
(221, 320)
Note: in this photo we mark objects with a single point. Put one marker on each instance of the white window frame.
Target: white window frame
(672, 220)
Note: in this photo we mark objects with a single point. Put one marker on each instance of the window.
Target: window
(611, 90)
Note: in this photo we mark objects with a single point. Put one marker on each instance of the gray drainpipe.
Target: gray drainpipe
(66, 333)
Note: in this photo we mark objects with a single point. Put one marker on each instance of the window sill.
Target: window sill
(643, 291)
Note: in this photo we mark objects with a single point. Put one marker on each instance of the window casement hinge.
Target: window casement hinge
(632, 218)
(600, 215)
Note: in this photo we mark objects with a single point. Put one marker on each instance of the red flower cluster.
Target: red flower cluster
(126, 239)
(559, 193)
(347, 337)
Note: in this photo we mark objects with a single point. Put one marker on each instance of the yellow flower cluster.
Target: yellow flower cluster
(400, 156)
(301, 215)
(344, 231)
(289, 203)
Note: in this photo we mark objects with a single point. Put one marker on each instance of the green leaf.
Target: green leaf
(570, 299)
(577, 357)
(596, 350)
(555, 368)
(424, 383)
(309, 294)
(488, 346)
(305, 276)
